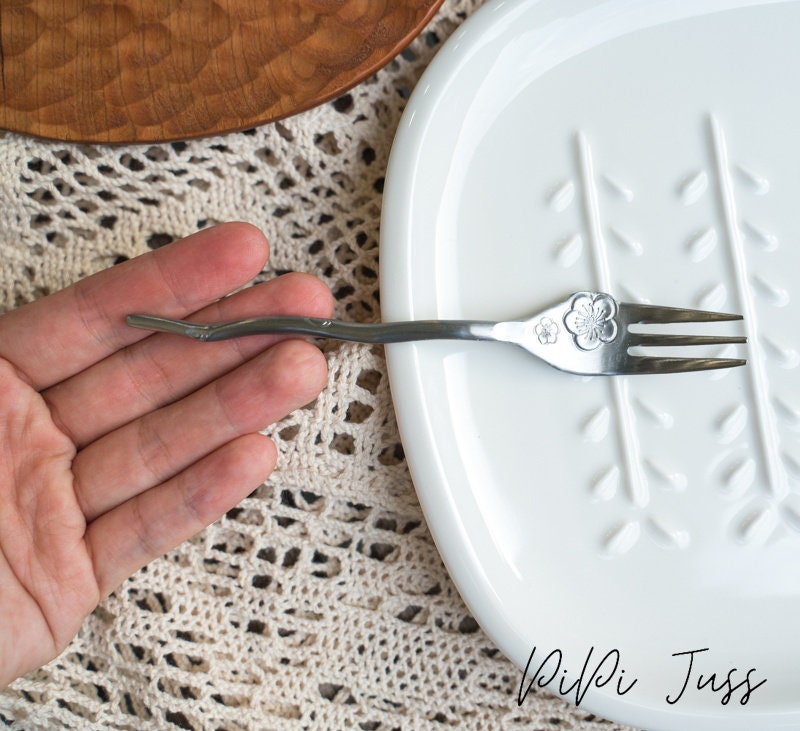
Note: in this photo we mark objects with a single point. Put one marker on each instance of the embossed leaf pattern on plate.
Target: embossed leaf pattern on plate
(760, 293)
(724, 188)
(624, 413)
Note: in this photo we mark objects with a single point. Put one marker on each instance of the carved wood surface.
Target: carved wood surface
(143, 71)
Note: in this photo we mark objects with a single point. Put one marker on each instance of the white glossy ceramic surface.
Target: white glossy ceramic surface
(650, 149)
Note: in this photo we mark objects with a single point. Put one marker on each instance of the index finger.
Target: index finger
(60, 335)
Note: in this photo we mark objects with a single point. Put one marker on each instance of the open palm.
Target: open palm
(116, 445)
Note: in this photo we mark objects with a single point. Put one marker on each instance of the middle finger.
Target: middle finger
(164, 368)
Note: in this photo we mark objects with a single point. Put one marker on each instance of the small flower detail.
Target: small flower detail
(591, 319)
(547, 331)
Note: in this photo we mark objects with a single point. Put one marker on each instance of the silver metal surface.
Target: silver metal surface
(589, 333)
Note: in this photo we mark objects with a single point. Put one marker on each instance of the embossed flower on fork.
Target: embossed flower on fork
(547, 331)
(591, 319)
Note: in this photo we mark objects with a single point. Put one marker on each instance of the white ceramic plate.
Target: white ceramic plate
(651, 149)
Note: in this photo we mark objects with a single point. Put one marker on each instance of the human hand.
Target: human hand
(115, 445)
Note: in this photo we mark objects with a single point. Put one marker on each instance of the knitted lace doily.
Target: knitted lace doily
(320, 602)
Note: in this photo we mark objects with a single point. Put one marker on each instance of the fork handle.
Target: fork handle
(371, 333)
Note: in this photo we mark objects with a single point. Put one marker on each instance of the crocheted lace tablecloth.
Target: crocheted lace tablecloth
(321, 601)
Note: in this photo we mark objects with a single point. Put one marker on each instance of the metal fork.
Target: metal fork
(589, 333)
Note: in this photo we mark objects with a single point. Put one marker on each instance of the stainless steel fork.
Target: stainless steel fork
(589, 333)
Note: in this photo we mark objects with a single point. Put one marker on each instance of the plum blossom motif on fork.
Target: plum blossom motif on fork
(547, 331)
(591, 319)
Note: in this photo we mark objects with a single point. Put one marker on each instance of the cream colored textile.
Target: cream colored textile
(321, 602)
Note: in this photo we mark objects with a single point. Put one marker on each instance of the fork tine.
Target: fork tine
(662, 339)
(651, 314)
(647, 364)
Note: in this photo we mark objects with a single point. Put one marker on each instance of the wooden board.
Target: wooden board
(158, 70)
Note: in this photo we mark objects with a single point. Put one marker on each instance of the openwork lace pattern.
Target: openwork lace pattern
(320, 602)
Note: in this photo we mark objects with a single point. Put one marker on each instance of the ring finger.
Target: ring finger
(150, 450)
